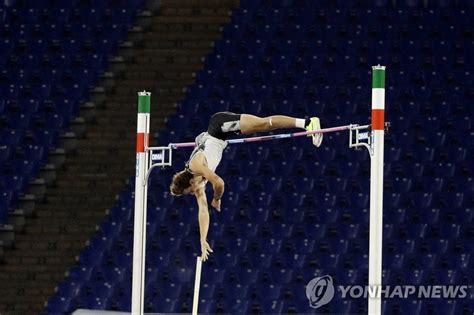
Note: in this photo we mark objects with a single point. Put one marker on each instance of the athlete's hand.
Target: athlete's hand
(216, 204)
(205, 249)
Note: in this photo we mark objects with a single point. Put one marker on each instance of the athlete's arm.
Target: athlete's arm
(203, 217)
(218, 184)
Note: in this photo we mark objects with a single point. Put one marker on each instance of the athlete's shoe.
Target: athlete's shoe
(314, 124)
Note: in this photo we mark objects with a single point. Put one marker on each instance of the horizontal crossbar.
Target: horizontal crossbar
(274, 137)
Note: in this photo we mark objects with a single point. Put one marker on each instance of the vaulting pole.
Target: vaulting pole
(197, 285)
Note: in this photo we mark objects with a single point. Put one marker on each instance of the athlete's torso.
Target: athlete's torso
(211, 149)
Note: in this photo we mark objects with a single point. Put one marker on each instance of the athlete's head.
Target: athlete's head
(182, 183)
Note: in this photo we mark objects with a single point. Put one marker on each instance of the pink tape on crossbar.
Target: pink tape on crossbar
(267, 138)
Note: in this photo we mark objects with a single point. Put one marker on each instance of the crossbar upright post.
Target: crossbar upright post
(376, 187)
(139, 226)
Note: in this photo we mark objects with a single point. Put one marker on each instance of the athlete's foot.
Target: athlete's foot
(312, 125)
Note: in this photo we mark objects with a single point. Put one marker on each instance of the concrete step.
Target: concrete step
(10, 308)
(88, 188)
(198, 3)
(108, 133)
(81, 221)
(71, 199)
(157, 121)
(34, 289)
(181, 44)
(89, 181)
(52, 261)
(190, 19)
(186, 28)
(100, 164)
(52, 246)
(106, 143)
(158, 91)
(109, 145)
(161, 107)
(101, 155)
(52, 277)
(105, 169)
(82, 217)
(80, 212)
(11, 269)
(159, 76)
(171, 64)
(24, 301)
(51, 238)
(48, 252)
(176, 53)
(158, 72)
(193, 12)
(166, 34)
(144, 80)
(109, 170)
(64, 229)
(164, 83)
(104, 161)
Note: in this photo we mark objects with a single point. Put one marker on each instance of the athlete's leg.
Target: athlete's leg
(251, 123)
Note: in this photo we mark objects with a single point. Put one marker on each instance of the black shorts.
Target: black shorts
(224, 124)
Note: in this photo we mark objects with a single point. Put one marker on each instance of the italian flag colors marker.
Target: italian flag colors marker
(378, 97)
(143, 122)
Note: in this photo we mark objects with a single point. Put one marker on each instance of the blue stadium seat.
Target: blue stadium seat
(436, 246)
(99, 291)
(448, 277)
(68, 289)
(91, 258)
(288, 261)
(214, 275)
(304, 247)
(432, 184)
(120, 258)
(281, 276)
(459, 261)
(10, 137)
(271, 306)
(394, 261)
(59, 304)
(450, 231)
(181, 275)
(348, 277)
(236, 291)
(411, 307)
(315, 231)
(79, 274)
(416, 277)
(170, 290)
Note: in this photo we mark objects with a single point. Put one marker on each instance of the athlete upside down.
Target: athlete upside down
(201, 166)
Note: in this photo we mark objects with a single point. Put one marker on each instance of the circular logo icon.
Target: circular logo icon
(320, 291)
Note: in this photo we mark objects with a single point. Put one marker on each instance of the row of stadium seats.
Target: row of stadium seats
(72, 4)
(348, 4)
(50, 59)
(41, 17)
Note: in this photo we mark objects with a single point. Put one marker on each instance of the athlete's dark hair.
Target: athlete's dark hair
(180, 182)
